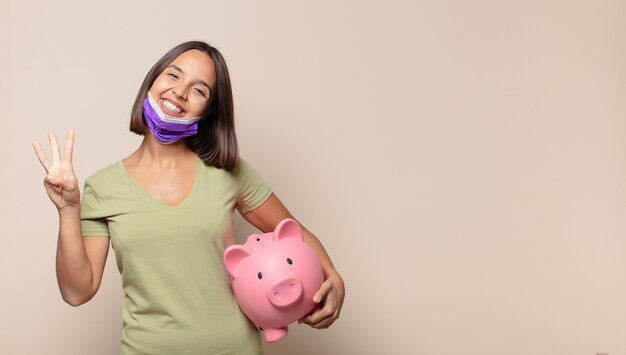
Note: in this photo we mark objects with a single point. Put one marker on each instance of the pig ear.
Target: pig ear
(233, 256)
(288, 228)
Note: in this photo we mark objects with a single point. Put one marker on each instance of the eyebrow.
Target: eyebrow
(182, 72)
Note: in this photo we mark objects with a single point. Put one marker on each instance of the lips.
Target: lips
(171, 108)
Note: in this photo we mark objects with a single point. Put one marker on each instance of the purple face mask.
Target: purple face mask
(167, 129)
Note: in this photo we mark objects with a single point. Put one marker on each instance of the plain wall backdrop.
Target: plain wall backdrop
(464, 162)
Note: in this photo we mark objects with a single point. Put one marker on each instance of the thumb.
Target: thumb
(322, 292)
(68, 183)
(50, 185)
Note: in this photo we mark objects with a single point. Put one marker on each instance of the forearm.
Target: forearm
(270, 213)
(74, 273)
(319, 250)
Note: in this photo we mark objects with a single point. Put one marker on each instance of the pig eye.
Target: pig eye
(258, 239)
(289, 261)
(259, 275)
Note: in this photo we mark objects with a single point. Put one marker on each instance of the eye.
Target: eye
(172, 75)
(258, 239)
(200, 92)
(259, 275)
(289, 261)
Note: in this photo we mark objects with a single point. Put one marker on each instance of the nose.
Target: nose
(180, 91)
(284, 291)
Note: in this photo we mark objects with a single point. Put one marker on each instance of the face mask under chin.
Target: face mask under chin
(167, 129)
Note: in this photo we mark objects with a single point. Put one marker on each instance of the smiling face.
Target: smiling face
(184, 87)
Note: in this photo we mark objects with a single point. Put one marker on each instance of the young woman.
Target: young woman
(167, 211)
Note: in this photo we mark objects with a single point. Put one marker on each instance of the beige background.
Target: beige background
(464, 162)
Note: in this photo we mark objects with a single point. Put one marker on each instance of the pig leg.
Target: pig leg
(274, 334)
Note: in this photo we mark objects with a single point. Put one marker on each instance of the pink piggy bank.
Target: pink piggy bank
(274, 277)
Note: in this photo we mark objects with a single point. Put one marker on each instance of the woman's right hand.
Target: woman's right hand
(60, 182)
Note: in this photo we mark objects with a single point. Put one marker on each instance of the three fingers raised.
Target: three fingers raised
(68, 150)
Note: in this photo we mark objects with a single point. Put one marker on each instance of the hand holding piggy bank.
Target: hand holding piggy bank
(274, 277)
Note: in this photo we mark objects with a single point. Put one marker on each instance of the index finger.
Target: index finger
(68, 149)
(319, 315)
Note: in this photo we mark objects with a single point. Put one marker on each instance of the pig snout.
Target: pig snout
(284, 291)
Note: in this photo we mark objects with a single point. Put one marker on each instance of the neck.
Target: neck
(152, 152)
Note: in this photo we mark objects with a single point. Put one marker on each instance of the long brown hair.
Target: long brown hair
(216, 141)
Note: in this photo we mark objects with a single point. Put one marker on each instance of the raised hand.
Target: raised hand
(60, 182)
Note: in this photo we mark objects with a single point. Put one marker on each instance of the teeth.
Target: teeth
(171, 106)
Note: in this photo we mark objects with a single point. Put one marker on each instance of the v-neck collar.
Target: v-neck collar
(145, 193)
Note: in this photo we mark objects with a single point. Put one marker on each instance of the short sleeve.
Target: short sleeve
(92, 215)
(252, 189)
